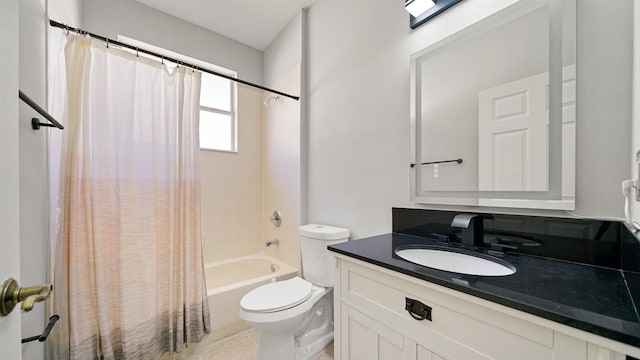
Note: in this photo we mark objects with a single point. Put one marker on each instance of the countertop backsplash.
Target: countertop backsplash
(594, 242)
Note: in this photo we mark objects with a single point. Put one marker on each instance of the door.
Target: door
(512, 136)
(10, 329)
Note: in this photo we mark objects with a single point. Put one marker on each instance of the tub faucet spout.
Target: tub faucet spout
(270, 242)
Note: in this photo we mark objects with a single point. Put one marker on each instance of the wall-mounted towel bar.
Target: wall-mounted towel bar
(35, 123)
(459, 161)
(43, 337)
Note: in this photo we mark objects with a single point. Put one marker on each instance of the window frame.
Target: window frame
(233, 112)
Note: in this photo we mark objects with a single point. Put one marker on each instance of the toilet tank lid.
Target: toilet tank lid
(324, 232)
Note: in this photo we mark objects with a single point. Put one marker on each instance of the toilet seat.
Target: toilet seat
(277, 296)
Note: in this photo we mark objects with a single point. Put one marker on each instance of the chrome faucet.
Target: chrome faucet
(270, 242)
(472, 226)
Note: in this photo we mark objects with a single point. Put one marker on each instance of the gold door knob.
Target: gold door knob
(11, 295)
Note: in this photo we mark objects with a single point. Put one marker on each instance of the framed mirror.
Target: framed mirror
(493, 111)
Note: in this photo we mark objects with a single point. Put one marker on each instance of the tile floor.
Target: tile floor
(237, 347)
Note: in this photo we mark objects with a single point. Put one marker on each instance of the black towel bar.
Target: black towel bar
(35, 123)
(459, 161)
(43, 337)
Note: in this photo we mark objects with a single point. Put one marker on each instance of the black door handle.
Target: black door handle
(418, 310)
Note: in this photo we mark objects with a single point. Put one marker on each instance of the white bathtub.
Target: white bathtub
(229, 280)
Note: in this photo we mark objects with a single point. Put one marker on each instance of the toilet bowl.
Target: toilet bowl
(294, 317)
(296, 325)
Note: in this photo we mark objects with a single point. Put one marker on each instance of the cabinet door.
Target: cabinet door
(572, 348)
(425, 354)
(595, 352)
(367, 339)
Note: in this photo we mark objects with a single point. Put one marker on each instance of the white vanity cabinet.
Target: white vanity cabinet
(371, 323)
(369, 339)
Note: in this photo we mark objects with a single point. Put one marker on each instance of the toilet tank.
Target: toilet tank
(318, 264)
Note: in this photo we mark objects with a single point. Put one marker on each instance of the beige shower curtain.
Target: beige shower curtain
(128, 270)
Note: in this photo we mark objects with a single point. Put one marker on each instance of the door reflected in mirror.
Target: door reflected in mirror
(500, 95)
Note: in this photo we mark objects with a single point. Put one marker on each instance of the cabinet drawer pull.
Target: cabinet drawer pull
(418, 310)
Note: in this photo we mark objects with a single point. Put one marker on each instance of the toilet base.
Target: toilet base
(273, 346)
(300, 337)
(312, 350)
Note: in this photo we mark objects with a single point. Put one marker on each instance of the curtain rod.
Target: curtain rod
(179, 62)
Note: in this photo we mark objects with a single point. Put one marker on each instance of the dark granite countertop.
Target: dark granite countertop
(595, 299)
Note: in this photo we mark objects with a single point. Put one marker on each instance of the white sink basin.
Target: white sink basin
(457, 262)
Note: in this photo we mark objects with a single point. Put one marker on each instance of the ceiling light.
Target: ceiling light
(418, 7)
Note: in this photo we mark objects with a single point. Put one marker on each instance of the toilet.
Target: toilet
(294, 317)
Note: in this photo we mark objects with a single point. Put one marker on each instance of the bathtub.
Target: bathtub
(229, 280)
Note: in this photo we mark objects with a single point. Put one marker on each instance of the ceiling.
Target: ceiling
(252, 22)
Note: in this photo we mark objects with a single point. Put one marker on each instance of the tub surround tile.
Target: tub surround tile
(215, 223)
(226, 249)
(588, 289)
(288, 251)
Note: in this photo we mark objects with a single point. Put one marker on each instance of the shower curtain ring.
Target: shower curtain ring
(137, 51)
(162, 60)
(67, 28)
(107, 43)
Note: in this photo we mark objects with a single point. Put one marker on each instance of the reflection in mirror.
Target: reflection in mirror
(500, 95)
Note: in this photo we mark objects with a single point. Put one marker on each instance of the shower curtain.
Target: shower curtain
(125, 193)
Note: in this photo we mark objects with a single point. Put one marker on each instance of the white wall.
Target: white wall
(65, 11)
(604, 105)
(135, 20)
(358, 114)
(358, 162)
(283, 54)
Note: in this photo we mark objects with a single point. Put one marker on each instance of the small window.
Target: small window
(216, 130)
(218, 126)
